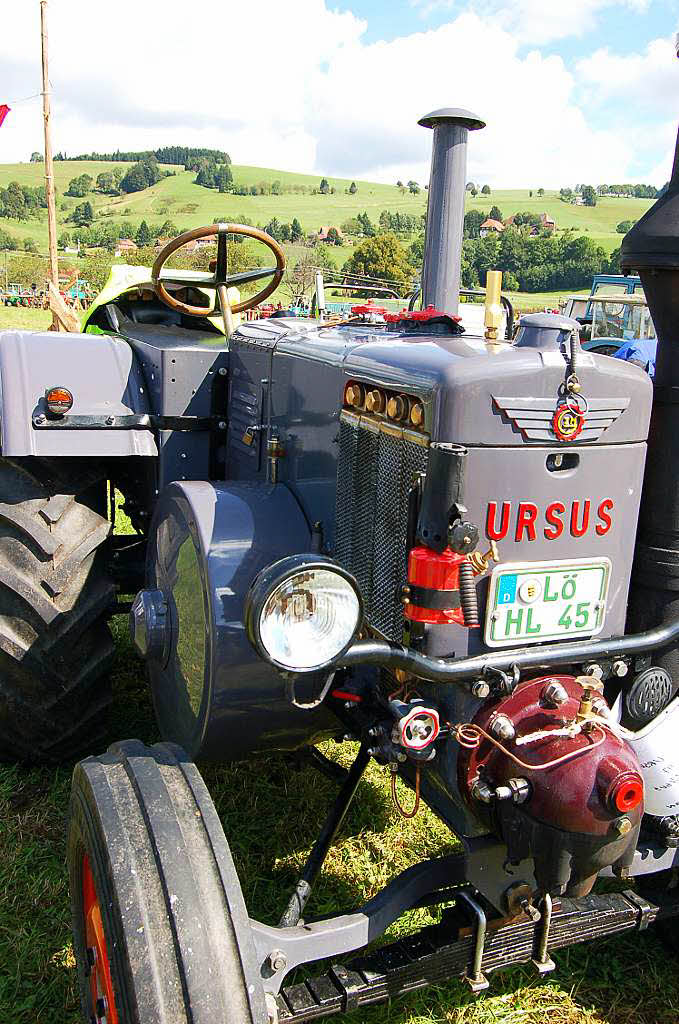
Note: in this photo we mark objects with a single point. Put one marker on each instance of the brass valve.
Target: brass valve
(482, 562)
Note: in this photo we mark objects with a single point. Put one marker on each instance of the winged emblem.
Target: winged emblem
(534, 416)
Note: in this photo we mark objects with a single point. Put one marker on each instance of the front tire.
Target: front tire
(174, 938)
(55, 646)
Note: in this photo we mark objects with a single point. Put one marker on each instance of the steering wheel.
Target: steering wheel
(220, 279)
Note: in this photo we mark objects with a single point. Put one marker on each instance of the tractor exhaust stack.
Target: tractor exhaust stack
(445, 216)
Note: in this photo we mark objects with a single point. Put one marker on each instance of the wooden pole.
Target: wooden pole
(49, 165)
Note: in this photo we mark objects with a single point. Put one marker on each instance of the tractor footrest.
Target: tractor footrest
(443, 951)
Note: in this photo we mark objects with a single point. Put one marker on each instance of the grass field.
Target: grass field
(26, 319)
(189, 205)
(271, 809)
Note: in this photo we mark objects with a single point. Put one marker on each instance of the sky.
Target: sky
(572, 91)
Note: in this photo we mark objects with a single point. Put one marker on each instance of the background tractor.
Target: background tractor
(459, 551)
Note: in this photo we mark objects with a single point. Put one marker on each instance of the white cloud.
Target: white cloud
(537, 21)
(305, 92)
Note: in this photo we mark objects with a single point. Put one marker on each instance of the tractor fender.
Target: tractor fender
(102, 374)
(211, 691)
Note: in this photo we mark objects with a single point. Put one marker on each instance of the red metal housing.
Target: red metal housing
(435, 577)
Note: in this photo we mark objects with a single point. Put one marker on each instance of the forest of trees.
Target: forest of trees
(19, 202)
(185, 155)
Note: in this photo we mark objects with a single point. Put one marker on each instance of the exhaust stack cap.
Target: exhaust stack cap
(452, 115)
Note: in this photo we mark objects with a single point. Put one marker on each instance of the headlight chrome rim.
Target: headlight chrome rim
(271, 579)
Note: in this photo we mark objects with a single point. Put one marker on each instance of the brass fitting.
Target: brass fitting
(374, 401)
(353, 395)
(493, 314)
(397, 408)
(482, 562)
(417, 414)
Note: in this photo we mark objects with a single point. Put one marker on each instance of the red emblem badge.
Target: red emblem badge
(567, 422)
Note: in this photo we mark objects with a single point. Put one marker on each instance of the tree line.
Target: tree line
(186, 155)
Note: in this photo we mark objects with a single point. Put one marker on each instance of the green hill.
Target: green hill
(189, 205)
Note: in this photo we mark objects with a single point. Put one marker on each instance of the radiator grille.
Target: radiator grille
(378, 464)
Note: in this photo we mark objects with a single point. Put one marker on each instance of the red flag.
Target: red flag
(4, 111)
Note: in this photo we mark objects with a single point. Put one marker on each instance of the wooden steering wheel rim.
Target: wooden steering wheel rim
(206, 232)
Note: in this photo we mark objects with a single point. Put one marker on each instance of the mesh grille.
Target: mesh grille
(378, 464)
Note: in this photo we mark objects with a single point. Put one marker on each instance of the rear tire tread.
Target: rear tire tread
(55, 647)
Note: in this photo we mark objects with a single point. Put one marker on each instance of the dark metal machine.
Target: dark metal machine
(458, 551)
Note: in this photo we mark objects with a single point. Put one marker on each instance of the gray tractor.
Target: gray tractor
(458, 551)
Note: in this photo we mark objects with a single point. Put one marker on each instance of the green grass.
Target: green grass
(271, 809)
(26, 319)
(189, 205)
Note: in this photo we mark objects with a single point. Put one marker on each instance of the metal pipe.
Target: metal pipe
(475, 978)
(319, 851)
(542, 959)
(549, 656)
(445, 211)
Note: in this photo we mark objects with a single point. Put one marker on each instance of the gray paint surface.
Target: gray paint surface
(99, 371)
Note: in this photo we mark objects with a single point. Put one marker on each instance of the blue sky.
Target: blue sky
(625, 31)
(572, 91)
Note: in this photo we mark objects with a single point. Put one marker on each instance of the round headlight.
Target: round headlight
(303, 612)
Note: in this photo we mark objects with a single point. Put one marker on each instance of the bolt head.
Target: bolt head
(149, 623)
(40, 418)
(110, 419)
(553, 695)
(480, 689)
(623, 826)
(620, 668)
(222, 424)
(222, 371)
(278, 960)
(503, 728)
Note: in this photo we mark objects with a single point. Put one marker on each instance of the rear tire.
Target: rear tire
(55, 645)
(176, 931)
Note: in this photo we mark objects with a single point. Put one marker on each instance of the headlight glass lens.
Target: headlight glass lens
(309, 619)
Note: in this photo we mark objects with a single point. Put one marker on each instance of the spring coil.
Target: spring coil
(468, 599)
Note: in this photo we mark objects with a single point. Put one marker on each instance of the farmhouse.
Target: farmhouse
(490, 227)
(322, 235)
(124, 246)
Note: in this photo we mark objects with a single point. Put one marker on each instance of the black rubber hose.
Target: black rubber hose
(549, 656)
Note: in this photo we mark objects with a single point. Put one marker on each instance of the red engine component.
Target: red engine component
(434, 587)
(555, 782)
(420, 316)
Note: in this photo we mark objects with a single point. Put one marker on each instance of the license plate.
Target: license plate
(536, 601)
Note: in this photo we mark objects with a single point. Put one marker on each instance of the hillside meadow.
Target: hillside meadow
(189, 205)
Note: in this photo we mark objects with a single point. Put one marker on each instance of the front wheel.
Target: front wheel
(161, 932)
